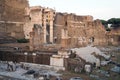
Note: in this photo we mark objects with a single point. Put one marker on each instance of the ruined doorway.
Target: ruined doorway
(91, 40)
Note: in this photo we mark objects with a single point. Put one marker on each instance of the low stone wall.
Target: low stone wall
(43, 58)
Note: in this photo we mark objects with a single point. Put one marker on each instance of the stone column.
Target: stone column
(31, 43)
(64, 38)
(34, 57)
(25, 54)
(51, 31)
(44, 31)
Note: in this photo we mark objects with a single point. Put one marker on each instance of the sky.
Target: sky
(99, 9)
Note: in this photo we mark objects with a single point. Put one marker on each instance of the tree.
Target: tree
(114, 21)
(104, 22)
(22, 40)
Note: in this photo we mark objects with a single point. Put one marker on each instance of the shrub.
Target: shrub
(23, 40)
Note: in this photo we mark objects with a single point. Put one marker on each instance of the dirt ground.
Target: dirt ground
(67, 75)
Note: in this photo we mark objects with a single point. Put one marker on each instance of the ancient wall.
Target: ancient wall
(40, 58)
(12, 14)
(81, 30)
(97, 31)
(4, 38)
(113, 36)
(2, 8)
(33, 16)
(59, 24)
(41, 16)
(13, 10)
(12, 29)
(36, 37)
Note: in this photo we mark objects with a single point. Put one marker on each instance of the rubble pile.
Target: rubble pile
(86, 54)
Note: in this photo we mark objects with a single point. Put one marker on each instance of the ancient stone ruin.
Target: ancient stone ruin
(73, 30)
(45, 26)
(12, 17)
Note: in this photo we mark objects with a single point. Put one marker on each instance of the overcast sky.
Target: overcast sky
(99, 9)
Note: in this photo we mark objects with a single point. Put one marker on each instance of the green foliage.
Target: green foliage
(22, 40)
(114, 21)
(103, 22)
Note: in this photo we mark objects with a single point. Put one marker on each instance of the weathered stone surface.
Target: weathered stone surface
(4, 38)
(12, 29)
(41, 16)
(72, 30)
(80, 29)
(13, 10)
(36, 37)
(12, 17)
(113, 36)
